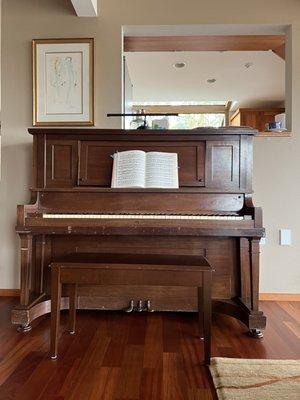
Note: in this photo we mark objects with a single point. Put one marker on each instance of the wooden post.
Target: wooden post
(72, 308)
(254, 249)
(245, 272)
(200, 312)
(55, 310)
(26, 267)
(206, 293)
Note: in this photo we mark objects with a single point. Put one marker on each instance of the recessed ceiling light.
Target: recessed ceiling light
(211, 80)
(179, 64)
(249, 65)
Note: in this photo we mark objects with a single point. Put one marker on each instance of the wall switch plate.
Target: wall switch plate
(285, 237)
(263, 241)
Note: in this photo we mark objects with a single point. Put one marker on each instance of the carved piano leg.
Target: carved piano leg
(248, 301)
(254, 274)
(254, 243)
(26, 263)
(26, 266)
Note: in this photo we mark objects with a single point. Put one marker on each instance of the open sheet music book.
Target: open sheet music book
(138, 169)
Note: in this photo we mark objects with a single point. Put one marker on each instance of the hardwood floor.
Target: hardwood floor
(132, 356)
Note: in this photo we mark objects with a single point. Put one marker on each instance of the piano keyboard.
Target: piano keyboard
(146, 216)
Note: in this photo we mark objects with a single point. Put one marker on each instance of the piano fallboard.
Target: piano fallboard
(142, 201)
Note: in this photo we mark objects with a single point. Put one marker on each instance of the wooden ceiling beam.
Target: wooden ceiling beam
(85, 8)
(203, 43)
(280, 51)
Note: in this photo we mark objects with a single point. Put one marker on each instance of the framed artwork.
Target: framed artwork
(63, 82)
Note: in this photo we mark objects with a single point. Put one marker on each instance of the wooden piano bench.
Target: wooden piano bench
(126, 269)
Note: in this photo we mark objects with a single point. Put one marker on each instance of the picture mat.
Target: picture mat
(47, 111)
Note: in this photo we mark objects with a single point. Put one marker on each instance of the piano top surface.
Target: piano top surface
(230, 130)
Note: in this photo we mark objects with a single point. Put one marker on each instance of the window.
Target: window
(190, 115)
(191, 121)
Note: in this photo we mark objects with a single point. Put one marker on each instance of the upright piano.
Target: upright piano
(73, 209)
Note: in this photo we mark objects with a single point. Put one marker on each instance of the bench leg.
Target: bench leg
(55, 310)
(72, 308)
(206, 292)
(200, 311)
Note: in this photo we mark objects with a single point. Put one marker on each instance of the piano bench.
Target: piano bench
(118, 269)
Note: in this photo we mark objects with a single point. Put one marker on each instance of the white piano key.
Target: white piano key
(196, 217)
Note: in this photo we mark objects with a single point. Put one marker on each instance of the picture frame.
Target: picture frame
(63, 82)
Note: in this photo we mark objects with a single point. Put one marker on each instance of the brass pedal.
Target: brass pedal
(148, 306)
(140, 307)
(130, 307)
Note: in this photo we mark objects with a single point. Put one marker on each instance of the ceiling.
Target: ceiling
(155, 79)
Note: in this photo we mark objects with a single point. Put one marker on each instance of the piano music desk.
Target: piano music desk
(126, 269)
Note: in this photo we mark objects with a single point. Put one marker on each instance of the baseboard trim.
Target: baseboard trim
(10, 292)
(279, 296)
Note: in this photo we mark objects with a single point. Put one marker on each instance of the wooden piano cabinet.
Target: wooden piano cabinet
(223, 164)
(71, 174)
(96, 161)
(61, 163)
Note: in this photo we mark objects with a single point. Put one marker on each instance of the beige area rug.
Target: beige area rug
(240, 379)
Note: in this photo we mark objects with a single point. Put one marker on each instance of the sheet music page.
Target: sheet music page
(129, 169)
(162, 170)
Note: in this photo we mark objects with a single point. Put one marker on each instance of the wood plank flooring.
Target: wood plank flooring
(117, 356)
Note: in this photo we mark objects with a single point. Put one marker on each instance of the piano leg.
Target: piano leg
(254, 248)
(254, 253)
(26, 264)
(249, 299)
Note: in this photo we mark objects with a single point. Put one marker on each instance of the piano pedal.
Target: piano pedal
(140, 307)
(148, 306)
(130, 307)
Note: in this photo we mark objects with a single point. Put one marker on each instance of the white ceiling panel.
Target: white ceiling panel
(154, 77)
